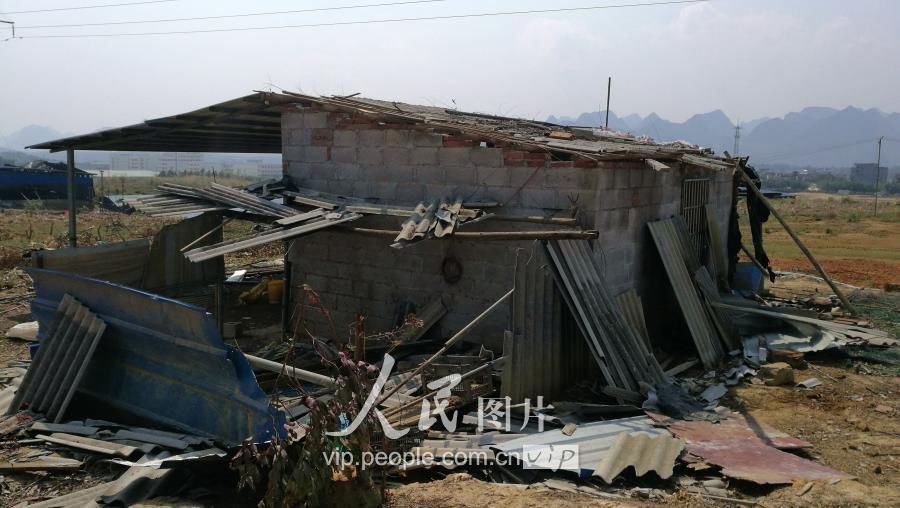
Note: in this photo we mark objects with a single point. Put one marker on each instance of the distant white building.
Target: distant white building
(157, 162)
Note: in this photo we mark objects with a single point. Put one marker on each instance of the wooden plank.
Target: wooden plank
(91, 445)
(39, 465)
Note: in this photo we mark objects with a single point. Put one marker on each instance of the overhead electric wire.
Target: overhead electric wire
(372, 21)
(225, 16)
(83, 7)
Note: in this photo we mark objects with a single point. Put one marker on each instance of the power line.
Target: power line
(373, 21)
(90, 7)
(225, 16)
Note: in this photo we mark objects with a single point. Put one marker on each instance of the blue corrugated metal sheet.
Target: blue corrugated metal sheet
(18, 182)
(163, 360)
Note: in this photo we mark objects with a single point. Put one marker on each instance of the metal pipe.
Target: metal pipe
(70, 184)
(292, 372)
(447, 345)
(396, 409)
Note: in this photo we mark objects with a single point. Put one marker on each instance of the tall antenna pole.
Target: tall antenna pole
(737, 139)
(608, 92)
(878, 173)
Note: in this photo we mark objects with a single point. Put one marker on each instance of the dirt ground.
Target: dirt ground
(462, 490)
(839, 418)
(852, 243)
(851, 420)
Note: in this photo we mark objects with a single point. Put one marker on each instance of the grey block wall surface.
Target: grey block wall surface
(396, 163)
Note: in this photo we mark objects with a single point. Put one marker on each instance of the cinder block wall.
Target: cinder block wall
(346, 154)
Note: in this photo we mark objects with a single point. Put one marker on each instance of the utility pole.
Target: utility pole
(608, 92)
(737, 139)
(70, 201)
(878, 173)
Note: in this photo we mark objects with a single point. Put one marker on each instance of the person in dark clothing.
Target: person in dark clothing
(757, 213)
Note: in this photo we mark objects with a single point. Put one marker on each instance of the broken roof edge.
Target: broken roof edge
(247, 124)
(252, 124)
(521, 132)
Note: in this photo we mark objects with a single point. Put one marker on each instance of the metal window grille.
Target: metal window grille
(694, 198)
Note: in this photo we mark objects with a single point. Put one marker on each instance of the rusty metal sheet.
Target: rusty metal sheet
(753, 460)
(733, 427)
(747, 449)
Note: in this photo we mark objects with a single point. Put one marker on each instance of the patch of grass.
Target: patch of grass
(853, 217)
(879, 307)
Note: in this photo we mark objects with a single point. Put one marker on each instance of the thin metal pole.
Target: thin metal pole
(291, 372)
(608, 92)
(447, 345)
(878, 173)
(70, 184)
(409, 403)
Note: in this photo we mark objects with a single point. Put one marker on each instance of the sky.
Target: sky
(749, 58)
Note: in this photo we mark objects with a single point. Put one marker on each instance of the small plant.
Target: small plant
(847, 200)
(827, 231)
(853, 216)
(33, 205)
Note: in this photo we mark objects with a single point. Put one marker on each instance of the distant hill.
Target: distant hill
(816, 136)
(819, 137)
(30, 135)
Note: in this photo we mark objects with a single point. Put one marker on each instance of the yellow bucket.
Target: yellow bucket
(274, 290)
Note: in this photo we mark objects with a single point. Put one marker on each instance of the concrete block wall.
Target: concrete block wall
(347, 154)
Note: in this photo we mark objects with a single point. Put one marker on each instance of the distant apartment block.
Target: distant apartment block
(164, 161)
(866, 172)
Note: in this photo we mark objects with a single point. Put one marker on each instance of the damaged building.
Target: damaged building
(430, 210)
(524, 256)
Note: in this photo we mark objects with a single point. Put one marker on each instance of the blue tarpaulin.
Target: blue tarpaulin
(163, 360)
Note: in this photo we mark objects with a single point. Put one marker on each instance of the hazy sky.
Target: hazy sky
(750, 58)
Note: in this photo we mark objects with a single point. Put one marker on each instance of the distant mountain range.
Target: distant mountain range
(813, 137)
(818, 137)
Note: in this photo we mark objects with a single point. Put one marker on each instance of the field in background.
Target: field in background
(119, 185)
(851, 243)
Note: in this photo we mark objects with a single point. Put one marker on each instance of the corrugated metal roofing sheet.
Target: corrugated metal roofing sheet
(162, 360)
(604, 452)
(545, 350)
(624, 358)
(252, 124)
(672, 252)
(438, 219)
(61, 361)
(643, 451)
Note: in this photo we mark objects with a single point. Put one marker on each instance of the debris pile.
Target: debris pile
(582, 397)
